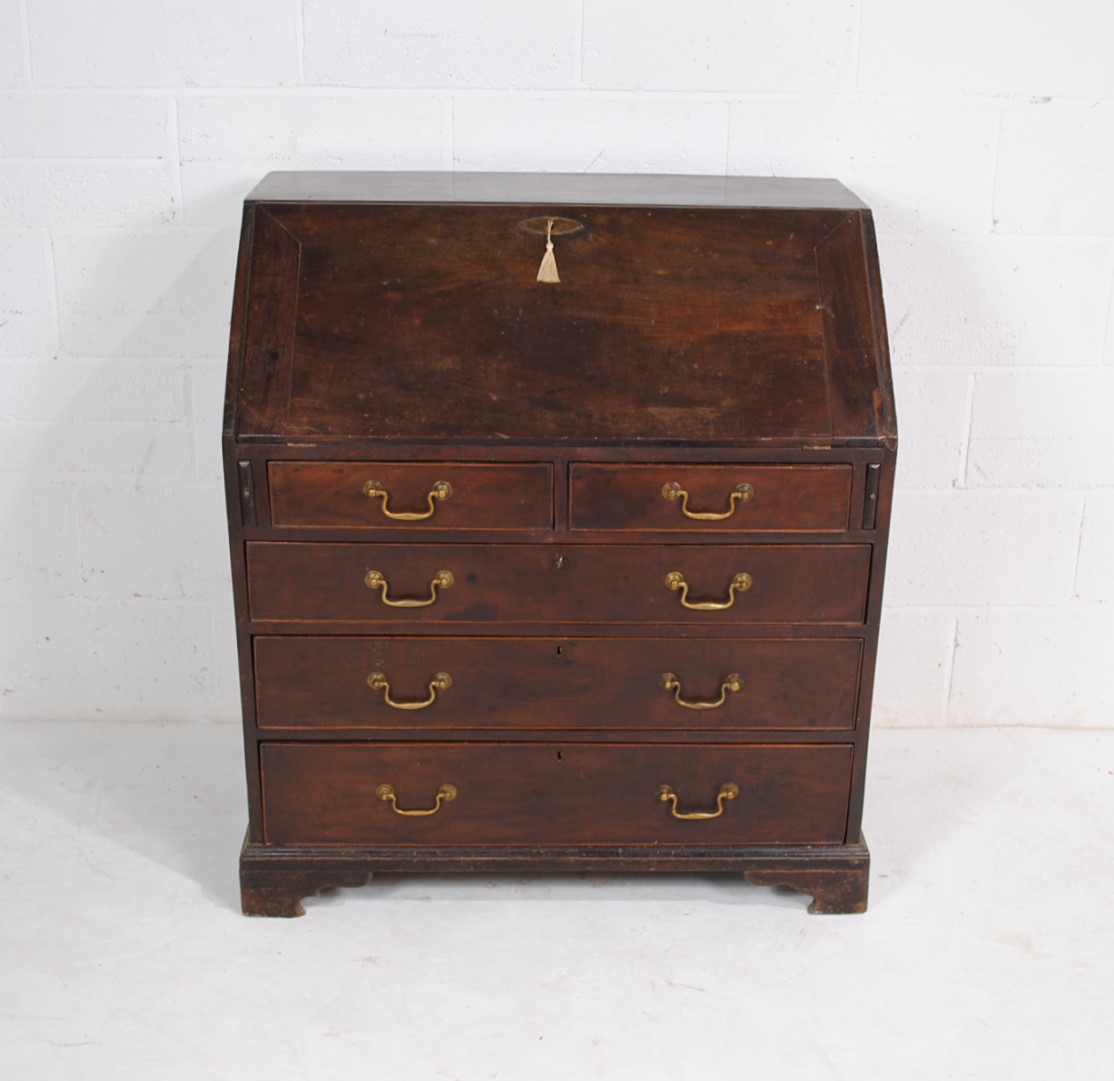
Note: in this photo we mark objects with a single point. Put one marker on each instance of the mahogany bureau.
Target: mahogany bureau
(558, 510)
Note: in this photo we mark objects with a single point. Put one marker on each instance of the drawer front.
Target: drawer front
(552, 683)
(542, 583)
(695, 498)
(410, 495)
(553, 793)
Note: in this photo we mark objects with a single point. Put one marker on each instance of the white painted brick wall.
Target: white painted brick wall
(981, 133)
(13, 50)
(746, 46)
(578, 134)
(504, 44)
(886, 149)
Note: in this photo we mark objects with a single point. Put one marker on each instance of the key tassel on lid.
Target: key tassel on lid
(547, 272)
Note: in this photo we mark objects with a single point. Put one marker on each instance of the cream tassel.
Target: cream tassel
(547, 272)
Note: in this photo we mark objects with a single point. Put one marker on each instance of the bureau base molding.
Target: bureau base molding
(274, 879)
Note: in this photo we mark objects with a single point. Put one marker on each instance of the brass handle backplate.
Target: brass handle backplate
(726, 792)
(743, 493)
(441, 490)
(739, 584)
(442, 580)
(377, 681)
(671, 683)
(445, 794)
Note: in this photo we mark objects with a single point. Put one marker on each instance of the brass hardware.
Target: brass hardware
(441, 490)
(445, 794)
(553, 226)
(726, 792)
(671, 683)
(743, 493)
(377, 681)
(739, 584)
(442, 579)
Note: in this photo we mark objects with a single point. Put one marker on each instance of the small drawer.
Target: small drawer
(439, 584)
(417, 685)
(716, 498)
(410, 495)
(554, 793)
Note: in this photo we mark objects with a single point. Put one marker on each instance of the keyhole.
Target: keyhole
(560, 757)
(559, 649)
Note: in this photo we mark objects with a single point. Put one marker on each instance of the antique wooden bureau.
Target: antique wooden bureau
(558, 510)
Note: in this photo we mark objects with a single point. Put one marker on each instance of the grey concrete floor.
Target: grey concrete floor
(988, 950)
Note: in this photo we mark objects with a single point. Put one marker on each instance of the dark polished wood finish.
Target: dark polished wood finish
(330, 495)
(707, 333)
(547, 684)
(554, 794)
(580, 584)
(781, 499)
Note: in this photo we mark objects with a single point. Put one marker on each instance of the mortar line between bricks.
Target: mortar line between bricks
(968, 420)
(1079, 546)
(449, 138)
(1107, 344)
(588, 93)
(26, 28)
(592, 93)
(580, 48)
(300, 39)
(55, 310)
(858, 45)
(949, 682)
(996, 160)
(1008, 369)
(984, 490)
(985, 609)
(1106, 239)
(178, 190)
(78, 159)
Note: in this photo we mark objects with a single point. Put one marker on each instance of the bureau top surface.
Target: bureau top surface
(405, 307)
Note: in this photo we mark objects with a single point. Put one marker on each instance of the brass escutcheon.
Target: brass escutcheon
(671, 683)
(378, 681)
(743, 493)
(550, 226)
(742, 581)
(441, 490)
(445, 794)
(376, 580)
(726, 792)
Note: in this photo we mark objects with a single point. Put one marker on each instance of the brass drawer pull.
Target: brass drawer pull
(377, 681)
(445, 794)
(743, 493)
(739, 584)
(442, 579)
(671, 683)
(727, 791)
(441, 490)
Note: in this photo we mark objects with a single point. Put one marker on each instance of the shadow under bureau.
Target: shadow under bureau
(573, 574)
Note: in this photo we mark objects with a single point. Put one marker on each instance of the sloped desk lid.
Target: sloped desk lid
(404, 307)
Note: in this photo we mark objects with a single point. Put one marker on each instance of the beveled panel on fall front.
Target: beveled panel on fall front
(721, 498)
(476, 583)
(564, 683)
(555, 793)
(387, 322)
(408, 495)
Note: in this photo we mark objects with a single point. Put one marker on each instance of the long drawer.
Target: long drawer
(469, 583)
(554, 793)
(507, 684)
